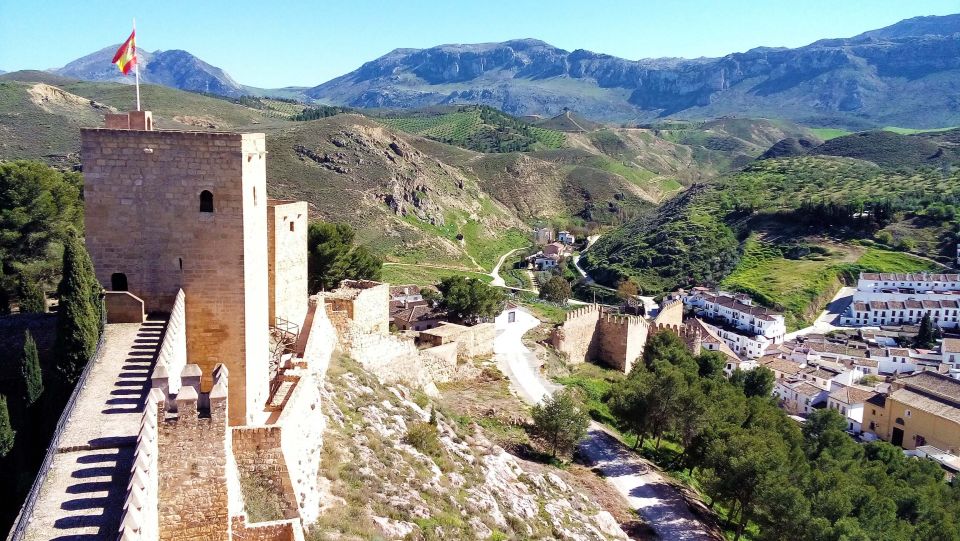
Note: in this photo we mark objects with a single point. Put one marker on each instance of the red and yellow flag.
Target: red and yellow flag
(126, 56)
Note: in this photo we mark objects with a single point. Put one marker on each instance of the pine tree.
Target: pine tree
(79, 313)
(32, 298)
(30, 371)
(7, 434)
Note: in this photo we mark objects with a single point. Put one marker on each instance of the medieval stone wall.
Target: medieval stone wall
(287, 260)
(140, 520)
(259, 458)
(278, 530)
(142, 192)
(365, 302)
(622, 339)
(577, 337)
(301, 440)
(670, 316)
(172, 357)
(192, 446)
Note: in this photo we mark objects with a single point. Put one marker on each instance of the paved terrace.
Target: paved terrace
(83, 494)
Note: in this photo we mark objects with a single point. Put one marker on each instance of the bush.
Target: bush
(261, 501)
(561, 421)
(423, 437)
(556, 290)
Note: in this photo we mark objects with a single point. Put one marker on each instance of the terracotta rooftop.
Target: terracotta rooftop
(734, 304)
(911, 277)
(780, 365)
(852, 395)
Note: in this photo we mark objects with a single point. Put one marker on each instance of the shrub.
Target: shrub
(423, 437)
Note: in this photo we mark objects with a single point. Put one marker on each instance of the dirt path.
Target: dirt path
(495, 273)
(635, 479)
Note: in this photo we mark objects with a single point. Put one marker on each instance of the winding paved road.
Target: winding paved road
(642, 485)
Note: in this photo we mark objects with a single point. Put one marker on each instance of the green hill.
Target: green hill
(479, 128)
(888, 149)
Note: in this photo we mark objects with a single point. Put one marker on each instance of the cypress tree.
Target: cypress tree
(926, 337)
(32, 298)
(30, 371)
(7, 434)
(78, 317)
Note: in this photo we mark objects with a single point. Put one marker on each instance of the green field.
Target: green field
(479, 128)
(424, 276)
(911, 131)
(801, 287)
(829, 133)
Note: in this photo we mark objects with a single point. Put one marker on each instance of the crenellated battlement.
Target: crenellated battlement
(585, 311)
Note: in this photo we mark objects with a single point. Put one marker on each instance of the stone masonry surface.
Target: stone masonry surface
(287, 260)
(142, 192)
(83, 495)
(589, 334)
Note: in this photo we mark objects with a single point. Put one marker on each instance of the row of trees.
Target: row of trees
(812, 483)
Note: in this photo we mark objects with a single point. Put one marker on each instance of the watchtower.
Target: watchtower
(169, 210)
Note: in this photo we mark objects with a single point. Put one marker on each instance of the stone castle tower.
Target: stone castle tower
(170, 210)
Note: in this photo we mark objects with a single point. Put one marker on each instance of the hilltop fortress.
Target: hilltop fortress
(209, 377)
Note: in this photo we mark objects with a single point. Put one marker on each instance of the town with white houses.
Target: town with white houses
(862, 363)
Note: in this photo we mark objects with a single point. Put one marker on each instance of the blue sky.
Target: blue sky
(281, 43)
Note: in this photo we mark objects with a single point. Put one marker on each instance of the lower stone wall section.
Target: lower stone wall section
(123, 307)
(577, 337)
(279, 530)
(622, 339)
(258, 454)
(441, 361)
(302, 426)
(614, 339)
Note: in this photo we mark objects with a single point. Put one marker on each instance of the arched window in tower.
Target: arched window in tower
(206, 201)
(118, 281)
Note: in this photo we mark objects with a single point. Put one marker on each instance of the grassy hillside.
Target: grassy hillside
(888, 149)
(478, 128)
(801, 277)
(773, 206)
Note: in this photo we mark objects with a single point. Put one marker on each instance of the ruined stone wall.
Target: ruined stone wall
(440, 362)
(192, 446)
(366, 303)
(287, 260)
(142, 194)
(278, 530)
(259, 458)
(577, 337)
(622, 339)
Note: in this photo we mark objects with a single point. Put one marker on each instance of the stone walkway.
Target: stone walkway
(82, 496)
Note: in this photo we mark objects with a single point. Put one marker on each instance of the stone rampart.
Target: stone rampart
(622, 339)
(670, 316)
(441, 361)
(366, 303)
(123, 307)
(287, 260)
(192, 446)
(577, 337)
(301, 441)
(172, 357)
(140, 520)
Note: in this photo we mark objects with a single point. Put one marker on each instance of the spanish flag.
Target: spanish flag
(126, 55)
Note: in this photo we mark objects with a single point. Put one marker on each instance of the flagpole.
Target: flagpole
(136, 63)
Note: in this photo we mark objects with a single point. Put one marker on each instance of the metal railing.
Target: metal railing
(22, 522)
(287, 333)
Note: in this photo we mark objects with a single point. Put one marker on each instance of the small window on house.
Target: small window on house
(118, 281)
(206, 201)
(291, 226)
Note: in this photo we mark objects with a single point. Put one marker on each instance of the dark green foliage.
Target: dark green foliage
(32, 298)
(561, 421)
(4, 299)
(31, 376)
(79, 313)
(805, 485)
(684, 243)
(556, 290)
(470, 299)
(38, 206)
(887, 149)
(756, 382)
(333, 257)
(315, 112)
(7, 434)
(928, 334)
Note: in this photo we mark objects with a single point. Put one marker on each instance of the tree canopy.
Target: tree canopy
(556, 290)
(469, 299)
(561, 420)
(333, 256)
(80, 311)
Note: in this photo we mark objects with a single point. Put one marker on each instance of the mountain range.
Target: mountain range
(904, 75)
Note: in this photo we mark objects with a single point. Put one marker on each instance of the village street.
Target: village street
(654, 498)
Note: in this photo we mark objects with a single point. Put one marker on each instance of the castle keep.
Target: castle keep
(171, 210)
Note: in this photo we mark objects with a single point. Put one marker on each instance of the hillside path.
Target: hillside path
(827, 320)
(657, 501)
(495, 273)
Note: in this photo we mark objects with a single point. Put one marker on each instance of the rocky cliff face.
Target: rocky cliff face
(860, 80)
(177, 69)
